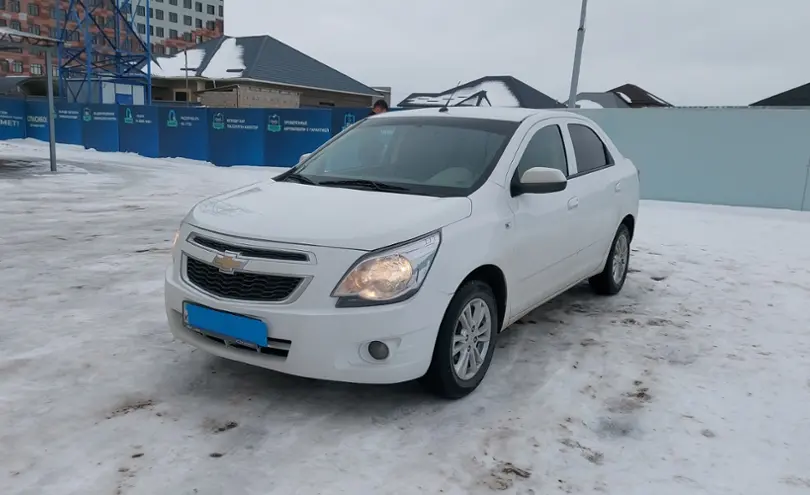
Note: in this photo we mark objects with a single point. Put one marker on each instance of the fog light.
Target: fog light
(378, 350)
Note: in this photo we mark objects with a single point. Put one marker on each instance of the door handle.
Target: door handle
(573, 203)
(618, 186)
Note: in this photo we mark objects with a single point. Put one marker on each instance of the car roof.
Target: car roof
(490, 113)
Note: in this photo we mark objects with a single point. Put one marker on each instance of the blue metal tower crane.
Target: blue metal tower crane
(101, 46)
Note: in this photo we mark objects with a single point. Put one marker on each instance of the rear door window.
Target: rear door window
(590, 151)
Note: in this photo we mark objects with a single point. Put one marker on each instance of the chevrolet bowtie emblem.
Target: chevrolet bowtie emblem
(228, 263)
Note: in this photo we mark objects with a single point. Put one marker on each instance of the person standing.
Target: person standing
(380, 106)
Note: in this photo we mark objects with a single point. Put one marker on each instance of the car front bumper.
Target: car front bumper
(310, 337)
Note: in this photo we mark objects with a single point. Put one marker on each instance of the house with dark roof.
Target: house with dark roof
(257, 71)
(796, 97)
(494, 91)
(624, 96)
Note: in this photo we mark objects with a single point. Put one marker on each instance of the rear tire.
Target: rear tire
(468, 332)
(612, 278)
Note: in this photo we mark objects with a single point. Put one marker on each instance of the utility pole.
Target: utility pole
(572, 96)
(51, 112)
(188, 94)
(185, 70)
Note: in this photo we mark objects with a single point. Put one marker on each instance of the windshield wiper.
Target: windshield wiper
(370, 184)
(300, 179)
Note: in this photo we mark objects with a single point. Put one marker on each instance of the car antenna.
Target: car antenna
(443, 109)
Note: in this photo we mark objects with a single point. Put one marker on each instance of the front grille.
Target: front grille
(240, 285)
(250, 252)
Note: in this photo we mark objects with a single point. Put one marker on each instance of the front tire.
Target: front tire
(612, 278)
(465, 343)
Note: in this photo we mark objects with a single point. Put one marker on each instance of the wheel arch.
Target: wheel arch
(630, 222)
(494, 277)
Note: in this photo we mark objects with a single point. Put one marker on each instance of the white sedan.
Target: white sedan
(402, 247)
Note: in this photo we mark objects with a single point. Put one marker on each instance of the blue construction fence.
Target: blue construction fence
(222, 136)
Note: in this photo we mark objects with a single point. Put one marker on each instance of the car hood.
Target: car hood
(325, 216)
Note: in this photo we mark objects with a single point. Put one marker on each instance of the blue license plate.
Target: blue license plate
(242, 329)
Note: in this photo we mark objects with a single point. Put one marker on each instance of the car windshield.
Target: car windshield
(436, 155)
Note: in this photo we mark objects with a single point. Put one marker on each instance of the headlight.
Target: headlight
(388, 276)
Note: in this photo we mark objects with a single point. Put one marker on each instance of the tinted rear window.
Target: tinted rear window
(590, 151)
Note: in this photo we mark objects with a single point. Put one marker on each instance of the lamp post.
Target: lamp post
(572, 95)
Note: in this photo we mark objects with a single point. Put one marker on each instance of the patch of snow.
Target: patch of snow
(227, 62)
(588, 104)
(659, 100)
(694, 379)
(70, 154)
(624, 97)
(175, 65)
(498, 94)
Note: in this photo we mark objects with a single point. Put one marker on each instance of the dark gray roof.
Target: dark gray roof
(268, 59)
(26, 86)
(11, 84)
(796, 97)
(638, 97)
(525, 95)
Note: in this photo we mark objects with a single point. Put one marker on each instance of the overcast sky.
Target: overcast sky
(689, 52)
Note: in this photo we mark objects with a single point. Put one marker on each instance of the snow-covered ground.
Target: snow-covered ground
(694, 380)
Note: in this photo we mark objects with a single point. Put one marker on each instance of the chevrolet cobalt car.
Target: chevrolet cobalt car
(402, 247)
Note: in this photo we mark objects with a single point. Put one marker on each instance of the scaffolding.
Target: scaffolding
(99, 45)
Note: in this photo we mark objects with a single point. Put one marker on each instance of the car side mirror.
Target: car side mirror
(304, 157)
(539, 180)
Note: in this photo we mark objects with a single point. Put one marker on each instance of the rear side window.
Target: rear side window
(545, 149)
(591, 152)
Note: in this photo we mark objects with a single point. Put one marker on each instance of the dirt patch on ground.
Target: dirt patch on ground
(630, 401)
(504, 475)
(130, 407)
(216, 426)
(589, 454)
